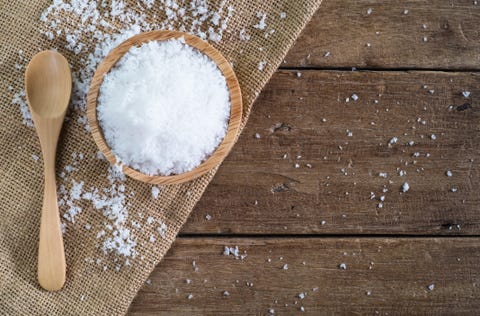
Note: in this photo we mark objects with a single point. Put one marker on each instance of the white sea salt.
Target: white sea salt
(342, 266)
(261, 25)
(466, 94)
(405, 187)
(261, 65)
(156, 116)
(392, 141)
(448, 173)
(155, 192)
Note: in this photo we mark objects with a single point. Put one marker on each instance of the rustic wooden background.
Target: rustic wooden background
(419, 253)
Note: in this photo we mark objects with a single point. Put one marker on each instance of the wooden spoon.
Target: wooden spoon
(48, 84)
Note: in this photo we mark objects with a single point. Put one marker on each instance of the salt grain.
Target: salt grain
(157, 117)
(342, 266)
(155, 192)
(405, 187)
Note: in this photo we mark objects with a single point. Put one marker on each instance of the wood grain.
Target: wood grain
(396, 272)
(336, 189)
(235, 104)
(344, 28)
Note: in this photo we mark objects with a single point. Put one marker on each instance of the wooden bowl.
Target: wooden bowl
(235, 105)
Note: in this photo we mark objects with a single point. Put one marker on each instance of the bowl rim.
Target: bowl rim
(233, 85)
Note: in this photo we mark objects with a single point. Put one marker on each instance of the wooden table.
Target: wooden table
(322, 189)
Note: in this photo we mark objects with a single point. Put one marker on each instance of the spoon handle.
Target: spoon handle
(51, 255)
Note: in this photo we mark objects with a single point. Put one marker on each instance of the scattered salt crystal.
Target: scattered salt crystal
(19, 99)
(411, 143)
(326, 54)
(137, 120)
(382, 174)
(369, 11)
(368, 293)
(243, 35)
(382, 198)
(208, 217)
(285, 266)
(299, 74)
(405, 11)
(302, 309)
(35, 157)
(226, 293)
(152, 238)
(261, 24)
(448, 173)
(261, 65)
(425, 39)
(283, 15)
(301, 296)
(431, 91)
(342, 266)
(392, 141)
(162, 230)
(257, 136)
(271, 311)
(380, 205)
(433, 137)
(190, 296)
(466, 94)
(296, 165)
(454, 189)
(88, 226)
(405, 187)
(188, 281)
(155, 192)
(431, 287)
(354, 97)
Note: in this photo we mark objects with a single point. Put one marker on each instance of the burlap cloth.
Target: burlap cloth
(89, 289)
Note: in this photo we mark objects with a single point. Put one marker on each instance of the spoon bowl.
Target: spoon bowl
(235, 105)
(48, 85)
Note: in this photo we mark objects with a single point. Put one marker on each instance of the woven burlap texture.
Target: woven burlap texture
(89, 289)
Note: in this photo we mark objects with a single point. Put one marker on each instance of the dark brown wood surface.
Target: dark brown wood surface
(344, 29)
(322, 213)
(345, 170)
(383, 276)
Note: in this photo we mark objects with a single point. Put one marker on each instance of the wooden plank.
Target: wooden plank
(344, 29)
(382, 276)
(336, 189)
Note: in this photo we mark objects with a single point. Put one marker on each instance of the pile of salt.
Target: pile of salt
(164, 107)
